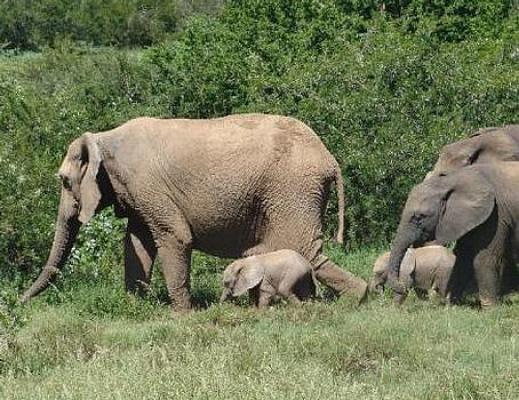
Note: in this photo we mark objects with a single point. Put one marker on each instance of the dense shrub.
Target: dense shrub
(383, 87)
(28, 24)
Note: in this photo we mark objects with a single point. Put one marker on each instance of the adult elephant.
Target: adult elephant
(478, 207)
(484, 146)
(231, 187)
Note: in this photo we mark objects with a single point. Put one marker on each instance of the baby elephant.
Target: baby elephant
(282, 273)
(426, 269)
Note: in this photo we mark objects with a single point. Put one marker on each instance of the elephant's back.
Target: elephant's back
(434, 257)
(226, 142)
(283, 258)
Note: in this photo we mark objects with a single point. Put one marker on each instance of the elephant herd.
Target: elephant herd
(255, 187)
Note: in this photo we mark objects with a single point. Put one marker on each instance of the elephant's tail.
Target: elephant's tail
(339, 187)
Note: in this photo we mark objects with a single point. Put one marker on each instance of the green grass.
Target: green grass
(97, 342)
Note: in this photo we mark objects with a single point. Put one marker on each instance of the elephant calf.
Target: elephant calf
(282, 273)
(425, 269)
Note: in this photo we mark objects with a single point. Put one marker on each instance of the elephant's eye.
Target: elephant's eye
(473, 157)
(417, 218)
(66, 182)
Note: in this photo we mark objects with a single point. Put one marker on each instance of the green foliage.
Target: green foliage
(29, 25)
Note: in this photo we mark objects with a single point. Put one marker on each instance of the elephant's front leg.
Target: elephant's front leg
(176, 262)
(486, 268)
(265, 299)
(265, 294)
(139, 254)
(453, 286)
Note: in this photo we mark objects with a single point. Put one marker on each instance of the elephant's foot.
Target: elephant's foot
(487, 303)
(180, 300)
(138, 288)
(399, 298)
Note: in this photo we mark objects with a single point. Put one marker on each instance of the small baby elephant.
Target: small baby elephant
(282, 273)
(426, 269)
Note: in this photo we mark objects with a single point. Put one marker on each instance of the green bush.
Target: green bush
(30, 25)
(25, 24)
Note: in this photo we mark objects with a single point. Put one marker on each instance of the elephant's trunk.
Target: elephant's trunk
(376, 286)
(226, 294)
(67, 228)
(406, 236)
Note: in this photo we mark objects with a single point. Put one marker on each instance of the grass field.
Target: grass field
(96, 342)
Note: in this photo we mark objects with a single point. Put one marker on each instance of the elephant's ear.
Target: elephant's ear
(248, 276)
(469, 201)
(407, 268)
(90, 194)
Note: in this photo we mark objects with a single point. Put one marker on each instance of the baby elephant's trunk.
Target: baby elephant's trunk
(226, 295)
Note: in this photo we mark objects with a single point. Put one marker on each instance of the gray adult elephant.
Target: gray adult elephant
(478, 207)
(231, 187)
(484, 146)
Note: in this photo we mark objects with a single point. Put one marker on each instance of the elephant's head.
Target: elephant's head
(379, 279)
(380, 271)
(486, 145)
(444, 209)
(240, 277)
(81, 197)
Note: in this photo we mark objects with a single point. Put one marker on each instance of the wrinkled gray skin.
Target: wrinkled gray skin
(476, 206)
(283, 273)
(427, 270)
(487, 145)
(231, 187)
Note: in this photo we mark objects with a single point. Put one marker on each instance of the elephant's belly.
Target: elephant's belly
(229, 243)
(228, 237)
(259, 237)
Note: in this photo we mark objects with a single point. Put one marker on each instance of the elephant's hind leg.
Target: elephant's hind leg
(139, 254)
(287, 291)
(339, 280)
